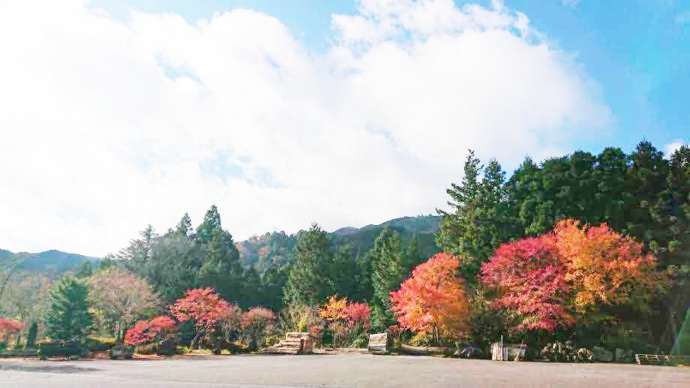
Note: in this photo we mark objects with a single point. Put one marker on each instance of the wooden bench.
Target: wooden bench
(661, 359)
(378, 343)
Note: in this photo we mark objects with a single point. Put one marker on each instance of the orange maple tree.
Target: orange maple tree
(605, 267)
(433, 301)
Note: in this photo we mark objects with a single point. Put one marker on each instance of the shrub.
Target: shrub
(256, 324)
(8, 327)
(121, 352)
(99, 344)
(146, 332)
(50, 349)
(565, 352)
(154, 336)
(346, 320)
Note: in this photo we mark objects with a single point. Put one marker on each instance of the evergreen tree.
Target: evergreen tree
(272, 284)
(85, 270)
(68, 317)
(610, 196)
(458, 223)
(480, 219)
(211, 223)
(673, 210)
(524, 188)
(412, 258)
(308, 281)
(174, 266)
(184, 227)
(31, 336)
(671, 214)
(221, 268)
(645, 181)
(387, 272)
(138, 252)
(344, 272)
(363, 291)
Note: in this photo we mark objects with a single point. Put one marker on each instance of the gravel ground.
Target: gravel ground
(335, 370)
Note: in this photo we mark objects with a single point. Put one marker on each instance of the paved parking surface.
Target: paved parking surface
(341, 370)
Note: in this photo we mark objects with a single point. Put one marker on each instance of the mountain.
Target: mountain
(51, 263)
(262, 251)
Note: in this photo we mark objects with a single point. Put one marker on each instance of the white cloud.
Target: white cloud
(109, 125)
(672, 147)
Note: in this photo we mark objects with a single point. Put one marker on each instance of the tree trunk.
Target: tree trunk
(196, 339)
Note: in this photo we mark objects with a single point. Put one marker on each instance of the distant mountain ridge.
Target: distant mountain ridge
(51, 262)
(260, 252)
(263, 251)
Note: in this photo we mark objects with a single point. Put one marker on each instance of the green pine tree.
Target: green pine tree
(308, 281)
(344, 272)
(31, 336)
(480, 219)
(645, 181)
(211, 223)
(610, 196)
(221, 268)
(68, 317)
(387, 273)
(184, 227)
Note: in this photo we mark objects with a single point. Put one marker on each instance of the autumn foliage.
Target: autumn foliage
(530, 278)
(9, 327)
(145, 332)
(203, 306)
(345, 319)
(605, 267)
(256, 324)
(561, 277)
(433, 300)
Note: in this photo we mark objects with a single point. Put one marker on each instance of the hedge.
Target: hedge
(49, 349)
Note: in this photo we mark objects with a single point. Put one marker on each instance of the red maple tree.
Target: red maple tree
(9, 327)
(201, 305)
(213, 316)
(529, 278)
(145, 332)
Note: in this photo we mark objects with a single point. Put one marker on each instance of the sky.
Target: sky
(119, 114)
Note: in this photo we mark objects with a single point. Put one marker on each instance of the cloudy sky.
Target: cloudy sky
(117, 114)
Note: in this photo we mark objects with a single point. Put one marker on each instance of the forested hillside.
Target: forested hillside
(590, 248)
(262, 252)
(51, 263)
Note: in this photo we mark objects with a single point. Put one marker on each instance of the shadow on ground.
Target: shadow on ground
(46, 368)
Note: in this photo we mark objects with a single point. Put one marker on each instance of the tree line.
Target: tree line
(494, 224)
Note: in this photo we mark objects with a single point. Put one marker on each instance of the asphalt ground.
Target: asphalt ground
(332, 370)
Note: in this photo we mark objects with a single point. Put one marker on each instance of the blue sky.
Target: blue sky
(638, 51)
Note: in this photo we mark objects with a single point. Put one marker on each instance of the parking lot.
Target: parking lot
(339, 370)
